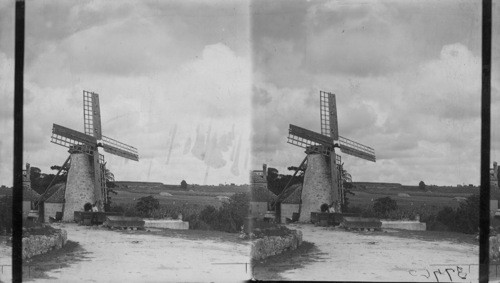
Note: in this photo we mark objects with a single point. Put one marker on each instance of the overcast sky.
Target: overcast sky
(186, 82)
(173, 79)
(407, 78)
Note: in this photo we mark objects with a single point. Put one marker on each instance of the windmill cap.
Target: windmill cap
(319, 149)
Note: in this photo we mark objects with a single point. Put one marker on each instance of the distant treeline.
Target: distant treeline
(377, 184)
(396, 187)
(152, 188)
(137, 184)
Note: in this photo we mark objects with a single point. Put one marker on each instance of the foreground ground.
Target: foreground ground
(100, 255)
(394, 255)
(5, 260)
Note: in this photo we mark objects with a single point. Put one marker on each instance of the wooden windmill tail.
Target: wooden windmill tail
(286, 191)
(42, 196)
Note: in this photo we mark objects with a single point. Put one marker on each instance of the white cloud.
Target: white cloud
(153, 74)
(6, 118)
(412, 118)
(211, 91)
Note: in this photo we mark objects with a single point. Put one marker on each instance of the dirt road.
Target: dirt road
(135, 256)
(5, 260)
(384, 256)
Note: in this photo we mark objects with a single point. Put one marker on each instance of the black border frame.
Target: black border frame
(484, 208)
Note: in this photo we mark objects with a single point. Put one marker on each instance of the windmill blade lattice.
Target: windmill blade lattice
(356, 149)
(92, 114)
(328, 115)
(118, 148)
(72, 139)
(309, 140)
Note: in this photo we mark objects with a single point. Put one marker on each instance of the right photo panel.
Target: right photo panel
(366, 141)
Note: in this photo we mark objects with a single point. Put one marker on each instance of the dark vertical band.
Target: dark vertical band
(484, 212)
(17, 206)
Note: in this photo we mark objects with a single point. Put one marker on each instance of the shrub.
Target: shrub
(226, 221)
(447, 216)
(209, 215)
(172, 210)
(362, 211)
(116, 208)
(146, 205)
(382, 206)
(228, 218)
(195, 223)
(239, 205)
(5, 215)
(464, 219)
(468, 215)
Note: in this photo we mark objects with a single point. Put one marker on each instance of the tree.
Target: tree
(110, 178)
(64, 170)
(383, 205)
(346, 177)
(184, 185)
(421, 186)
(347, 185)
(40, 181)
(276, 182)
(35, 173)
(301, 170)
(272, 173)
(108, 175)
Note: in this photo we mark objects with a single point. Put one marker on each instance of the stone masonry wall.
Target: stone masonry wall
(495, 247)
(39, 244)
(269, 246)
(287, 210)
(26, 208)
(50, 210)
(258, 209)
(80, 185)
(317, 186)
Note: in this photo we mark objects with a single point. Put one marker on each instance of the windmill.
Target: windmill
(86, 181)
(322, 181)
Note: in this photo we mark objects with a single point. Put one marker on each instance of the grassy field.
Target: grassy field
(130, 192)
(126, 197)
(439, 198)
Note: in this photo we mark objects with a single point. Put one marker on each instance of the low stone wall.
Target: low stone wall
(405, 225)
(39, 244)
(273, 245)
(495, 247)
(166, 224)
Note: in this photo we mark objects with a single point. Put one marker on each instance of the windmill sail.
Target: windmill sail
(73, 139)
(310, 140)
(356, 149)
(328, 115)
(92, 114)
(118, 148)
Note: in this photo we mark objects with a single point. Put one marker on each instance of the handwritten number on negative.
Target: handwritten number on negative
(460, 271)
(447, 271)
(428, 274)
(439, 270)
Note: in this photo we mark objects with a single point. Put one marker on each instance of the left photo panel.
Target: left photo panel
(136, 152)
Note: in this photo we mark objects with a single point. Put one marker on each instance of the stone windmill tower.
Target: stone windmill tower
(86, 181)
(322, 180)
